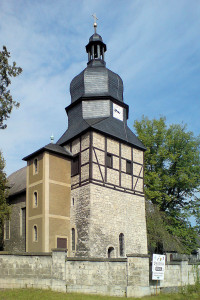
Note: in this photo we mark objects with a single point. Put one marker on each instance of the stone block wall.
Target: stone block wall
(80, 219)
(99, 215)
(138, 275)
(96, 276)
(115, 277)
(25, 271)
(114, 212)
(17, 236)
(180, 274)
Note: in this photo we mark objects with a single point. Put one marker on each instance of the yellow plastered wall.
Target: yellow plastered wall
(52, 182)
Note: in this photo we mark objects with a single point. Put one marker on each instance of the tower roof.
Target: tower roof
(109, 126)
(95, 37)
(96, 79)
(95, 93)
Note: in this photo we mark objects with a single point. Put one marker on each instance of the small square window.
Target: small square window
(75, 166)
(129, 168)
(109, 160)
(61, 243)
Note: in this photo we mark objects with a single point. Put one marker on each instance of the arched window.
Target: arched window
(35, 166)
(35, 233)
(35, 199)
(111, 252)
(121, 244)
(73, 239)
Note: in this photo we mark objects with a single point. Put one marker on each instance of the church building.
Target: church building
(85, 193)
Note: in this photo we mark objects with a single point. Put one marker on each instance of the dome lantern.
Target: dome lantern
(95, 48)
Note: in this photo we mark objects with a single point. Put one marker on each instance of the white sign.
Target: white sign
(158, 267)
(117, 112)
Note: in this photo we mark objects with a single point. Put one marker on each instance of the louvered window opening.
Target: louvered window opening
(109, 160)
(129, 167)
(75, 166)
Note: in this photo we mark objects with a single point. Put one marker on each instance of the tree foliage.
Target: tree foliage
(6, 105)
(159, 239)
(6, 72)
(4, 207)
(172, 175)
(3, 190)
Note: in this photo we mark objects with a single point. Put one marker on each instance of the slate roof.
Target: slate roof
(96, 80)
(54, 148)
(95, 37)
(109, 126)
(17, 182)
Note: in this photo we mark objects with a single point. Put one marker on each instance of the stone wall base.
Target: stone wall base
(114, 277)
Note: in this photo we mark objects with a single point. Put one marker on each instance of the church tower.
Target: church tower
(107, 213)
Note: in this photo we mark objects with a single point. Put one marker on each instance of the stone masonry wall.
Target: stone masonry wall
(16, 241)
(99, 215)
(80, 219)
(21, 271)
(96, 276)
(113, 212)
(123, 276)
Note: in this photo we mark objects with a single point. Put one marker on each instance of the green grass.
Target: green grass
(189, 293)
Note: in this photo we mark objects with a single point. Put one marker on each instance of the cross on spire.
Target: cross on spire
(95, 22)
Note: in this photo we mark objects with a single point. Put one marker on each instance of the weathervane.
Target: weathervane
(95, 22)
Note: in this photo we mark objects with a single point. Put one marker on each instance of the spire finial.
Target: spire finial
(95, 22)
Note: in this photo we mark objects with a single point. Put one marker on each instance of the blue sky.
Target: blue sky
(153, 45)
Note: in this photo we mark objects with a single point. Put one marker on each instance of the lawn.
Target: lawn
(32, 294)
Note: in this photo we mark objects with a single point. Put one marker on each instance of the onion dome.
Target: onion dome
(96, 80)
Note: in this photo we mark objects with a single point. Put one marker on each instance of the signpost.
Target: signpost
(158, 268)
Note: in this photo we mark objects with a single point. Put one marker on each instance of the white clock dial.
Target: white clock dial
(117, 112)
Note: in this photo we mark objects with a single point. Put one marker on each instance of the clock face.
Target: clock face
(117, 112)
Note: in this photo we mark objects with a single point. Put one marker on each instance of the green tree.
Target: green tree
(172, 175)
(6, 105)
(6, 72)
(4, 207)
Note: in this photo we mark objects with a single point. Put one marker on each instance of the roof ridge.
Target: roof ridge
(16, 171)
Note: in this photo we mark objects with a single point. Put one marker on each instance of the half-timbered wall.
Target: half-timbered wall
(92, 149)
(117, 176)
